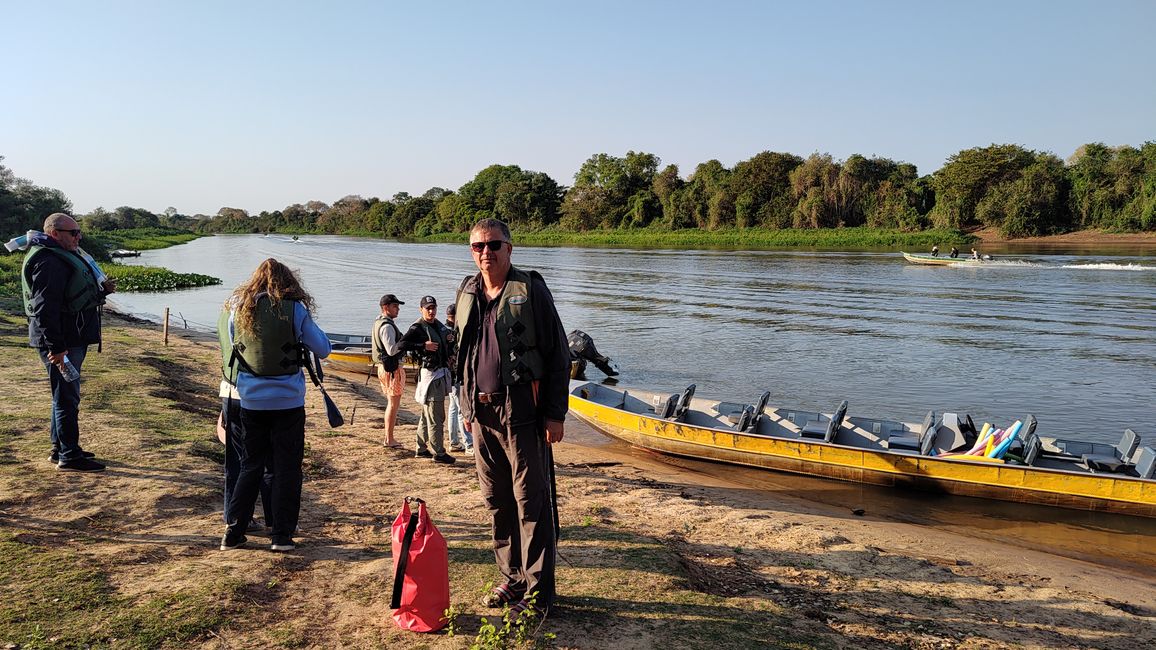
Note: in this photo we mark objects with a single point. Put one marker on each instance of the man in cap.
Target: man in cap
(514, 366)
(387, 358)
(432, 343)
(62, 299)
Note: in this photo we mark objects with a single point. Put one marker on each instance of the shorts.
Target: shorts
(392, 383)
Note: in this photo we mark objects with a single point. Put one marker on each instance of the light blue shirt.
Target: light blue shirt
(282, 391)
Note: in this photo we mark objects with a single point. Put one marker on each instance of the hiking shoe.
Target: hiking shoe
(55, 455)
(444, 459)
(81, 465)
(230, 543)
(457, 448)
(283, 546)
(424, 453)
(255, 526)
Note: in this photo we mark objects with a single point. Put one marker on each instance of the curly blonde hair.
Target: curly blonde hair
(276, 280)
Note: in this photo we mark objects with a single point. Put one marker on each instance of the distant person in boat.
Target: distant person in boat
(432, 342)
(974, 254)
(263, 329)
(935, 250)
(460, 439)
(62, 300)
(954, 252)
(387, 354)
(514, 365)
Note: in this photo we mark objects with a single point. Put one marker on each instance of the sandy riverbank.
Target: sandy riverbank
(648, 559)
(1081, 237)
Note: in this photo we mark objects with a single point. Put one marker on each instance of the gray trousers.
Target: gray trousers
(431, 427)
(515, 482)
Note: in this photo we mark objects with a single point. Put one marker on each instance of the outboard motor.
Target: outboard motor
(582, 350)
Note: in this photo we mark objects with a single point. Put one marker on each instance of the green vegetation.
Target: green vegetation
(153, 278)
(771, 200)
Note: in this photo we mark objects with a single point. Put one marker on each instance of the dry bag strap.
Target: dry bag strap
(403, 561)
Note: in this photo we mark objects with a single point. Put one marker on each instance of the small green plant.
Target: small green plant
(587, 520)
(450, 616)
(518, 631)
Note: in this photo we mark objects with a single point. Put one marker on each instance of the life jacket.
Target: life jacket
(80, 293)
(514, 325)
(272, 349)
(389, 362)
(435, 332)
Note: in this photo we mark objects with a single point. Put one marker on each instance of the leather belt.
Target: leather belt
(490, 398)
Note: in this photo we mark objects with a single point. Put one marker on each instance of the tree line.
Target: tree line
(1004, 186)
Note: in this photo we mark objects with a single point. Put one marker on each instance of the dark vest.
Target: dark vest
(513, 325)
(80, 293)
(270, 350)
(388, 362)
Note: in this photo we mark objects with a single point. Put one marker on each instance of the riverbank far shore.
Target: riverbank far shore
(1092, 237)
(648, 559)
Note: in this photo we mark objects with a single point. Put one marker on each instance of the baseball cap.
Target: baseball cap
(427, 301)
(390, 299)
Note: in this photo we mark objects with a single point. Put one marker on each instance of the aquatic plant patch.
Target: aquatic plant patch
(153, 278)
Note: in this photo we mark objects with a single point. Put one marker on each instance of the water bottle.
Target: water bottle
(69, 371)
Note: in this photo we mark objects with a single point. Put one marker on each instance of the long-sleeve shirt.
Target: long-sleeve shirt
(282, 391)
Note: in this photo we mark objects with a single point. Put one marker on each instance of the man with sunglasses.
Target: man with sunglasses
(62, 299)
(513, 364)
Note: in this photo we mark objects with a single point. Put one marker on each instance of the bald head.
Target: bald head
(63, 229)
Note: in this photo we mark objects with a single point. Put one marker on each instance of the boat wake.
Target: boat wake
(1109, 267)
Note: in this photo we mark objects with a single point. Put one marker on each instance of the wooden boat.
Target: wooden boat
(940, 260)
(870, 450)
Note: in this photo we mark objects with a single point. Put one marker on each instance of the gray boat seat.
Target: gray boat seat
(929, 434)
(1032, 447)
(667, 409)
(826, 431)
(682, 404)
(950, 435)
(910, 441)
(1117, 461)
(1146, 463)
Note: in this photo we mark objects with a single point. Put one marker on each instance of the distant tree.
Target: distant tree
(24, 205)
(612, 192)
(969, 176)
(762, 188)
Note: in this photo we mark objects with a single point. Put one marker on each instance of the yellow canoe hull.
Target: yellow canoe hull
(1018, 483)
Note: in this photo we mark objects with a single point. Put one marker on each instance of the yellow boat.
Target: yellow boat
(352, 353)
(869, 450)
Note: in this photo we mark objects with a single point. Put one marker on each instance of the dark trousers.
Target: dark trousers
(65, 428)
(276, 438)
(231, 408)
(515, 481)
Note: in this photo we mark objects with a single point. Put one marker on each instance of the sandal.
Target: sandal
(396, 445)
(501, 595)
(521, 606)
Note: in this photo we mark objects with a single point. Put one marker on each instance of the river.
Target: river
(1069, 338)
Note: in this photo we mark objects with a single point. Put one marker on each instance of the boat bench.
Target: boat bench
(1117, 461)
(825, 430)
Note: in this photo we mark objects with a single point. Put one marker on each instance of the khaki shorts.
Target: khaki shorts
(392, 383)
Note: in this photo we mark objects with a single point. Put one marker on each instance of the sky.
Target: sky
(259, 105)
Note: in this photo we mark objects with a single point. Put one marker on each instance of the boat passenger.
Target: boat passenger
(974, 254)
(954, 252)
(935, 250)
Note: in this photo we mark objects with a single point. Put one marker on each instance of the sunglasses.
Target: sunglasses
(75, 232)
(494, 245)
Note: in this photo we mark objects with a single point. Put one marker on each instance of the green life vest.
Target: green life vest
(387, 361)
(513, 325)
(270, 350)
(80, 293)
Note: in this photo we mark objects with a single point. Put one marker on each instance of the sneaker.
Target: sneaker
(444, 459)
(55, 455)
(283, 546)
(255, 526)
(81, 465)
(424, 453)
(228, 544)
(469, 451)
(457, 448)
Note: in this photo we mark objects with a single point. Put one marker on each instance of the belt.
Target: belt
(490, 398)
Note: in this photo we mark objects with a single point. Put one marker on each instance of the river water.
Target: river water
(1068, 337)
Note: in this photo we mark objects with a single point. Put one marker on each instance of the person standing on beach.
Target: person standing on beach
(432, 343)
(265, 330)
(386, 337)
(514, 367)
(62, 300)
(460, 439)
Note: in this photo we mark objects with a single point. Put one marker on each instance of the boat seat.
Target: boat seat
(746, 417)
(908, 440)
(1118, 460)
(682, 404)
(667, 409)
(1146, 463)
(1031, 448)
(826, 430)
(930, 433)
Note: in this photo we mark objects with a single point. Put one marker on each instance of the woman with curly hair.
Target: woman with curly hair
(266, 330)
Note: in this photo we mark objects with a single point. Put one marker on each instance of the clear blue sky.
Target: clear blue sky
(200, 105)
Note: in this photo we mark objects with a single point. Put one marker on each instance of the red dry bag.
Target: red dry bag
(421, 571)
